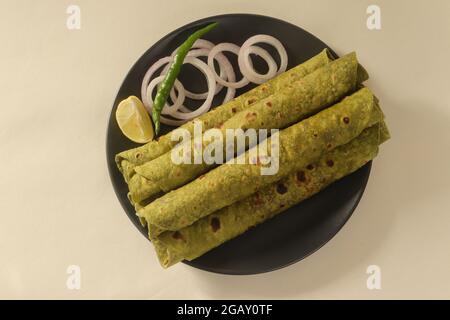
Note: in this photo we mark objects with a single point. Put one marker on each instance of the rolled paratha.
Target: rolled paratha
(299, 145)
(209, 232)
(289, 105)
(127, 160)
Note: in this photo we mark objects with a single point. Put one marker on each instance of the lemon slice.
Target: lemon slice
(134, 121)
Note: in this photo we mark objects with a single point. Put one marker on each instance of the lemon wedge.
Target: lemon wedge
(134, 121)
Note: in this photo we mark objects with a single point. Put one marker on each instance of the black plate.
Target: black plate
(289, 237)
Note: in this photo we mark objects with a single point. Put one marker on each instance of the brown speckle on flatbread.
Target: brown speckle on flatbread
(215, 224)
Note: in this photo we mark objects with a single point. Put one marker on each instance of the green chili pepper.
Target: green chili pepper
(172, 73)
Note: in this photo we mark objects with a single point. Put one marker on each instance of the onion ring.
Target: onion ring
(211, 91)
(206, 46)
(192, 95)
(261, 38)
(231, 47)
(247, 68)
(177, 102)
(188, 114)
(180, 114)
(226, 69)
(148, 103)
(166, 109)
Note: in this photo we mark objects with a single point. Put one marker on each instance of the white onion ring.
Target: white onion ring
(177, 102)
(244, 59)
(188, 114)
(201, 44)
(179, 114)
(230, 47)
(249, 72)
(203, 67)
(226, 70)
(198, 44)
(166, 109)
(192, 95)
(148, 103)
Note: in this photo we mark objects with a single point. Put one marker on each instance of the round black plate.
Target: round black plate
(290, 236)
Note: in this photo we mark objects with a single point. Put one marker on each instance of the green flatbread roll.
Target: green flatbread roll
(299, 145)
(127, 160)
(288, 105)
(209, 232)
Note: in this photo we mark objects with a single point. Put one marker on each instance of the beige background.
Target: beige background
(57, 204)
